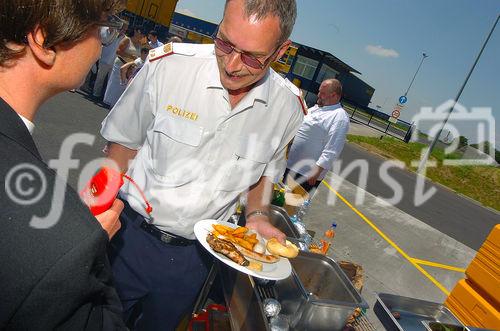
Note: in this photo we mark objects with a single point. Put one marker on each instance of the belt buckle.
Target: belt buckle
(166, 238)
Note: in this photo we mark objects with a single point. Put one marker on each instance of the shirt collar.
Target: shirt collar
(29, 125)
(330, 107)
(259, 92)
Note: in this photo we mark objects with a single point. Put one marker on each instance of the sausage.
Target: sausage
(257, 256)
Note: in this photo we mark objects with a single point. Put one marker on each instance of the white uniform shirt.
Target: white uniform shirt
(320, 139)
(196, 155)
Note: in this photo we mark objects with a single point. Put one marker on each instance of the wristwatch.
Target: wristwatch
(258, 213)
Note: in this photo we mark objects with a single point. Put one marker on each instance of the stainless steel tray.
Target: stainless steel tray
(412, 312)
(280, 219)
(318, 296)
(437, 326)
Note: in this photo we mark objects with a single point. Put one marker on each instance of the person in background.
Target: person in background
(175, 39)
(202, 124)
(320, 139)
(108, 57)
(128, 50)
(153, 39)
(55, 273)
(129, 70)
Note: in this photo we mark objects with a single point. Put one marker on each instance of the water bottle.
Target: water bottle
(303, 209)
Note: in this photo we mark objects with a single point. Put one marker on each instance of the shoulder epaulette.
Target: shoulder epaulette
(298, 93)
(173, 48)
(161, 52)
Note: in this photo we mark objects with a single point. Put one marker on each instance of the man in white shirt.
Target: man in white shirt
(153, 40)
(320, 139)
(202, 124)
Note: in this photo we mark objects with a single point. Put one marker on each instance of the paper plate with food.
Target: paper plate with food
(245, 250)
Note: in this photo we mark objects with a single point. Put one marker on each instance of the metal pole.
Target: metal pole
(421, 167)
(416, 72)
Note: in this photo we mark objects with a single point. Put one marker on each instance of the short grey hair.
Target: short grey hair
(285, 10)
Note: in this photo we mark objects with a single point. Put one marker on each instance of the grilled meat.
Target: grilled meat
(226, 248)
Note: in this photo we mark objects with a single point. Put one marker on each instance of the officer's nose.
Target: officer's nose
(233, 62)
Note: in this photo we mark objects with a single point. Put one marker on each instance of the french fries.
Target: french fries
(237, 236)
(240, 230)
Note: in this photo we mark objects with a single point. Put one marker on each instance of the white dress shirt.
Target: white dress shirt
(196, 154)
(320, 139)
(155, 44)
(108, 54)
(29, 125)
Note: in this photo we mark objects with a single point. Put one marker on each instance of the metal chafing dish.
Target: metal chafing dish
(280, 219)
(317, 296)
(411, 312)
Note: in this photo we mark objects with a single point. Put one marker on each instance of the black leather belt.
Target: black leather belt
(165, 236)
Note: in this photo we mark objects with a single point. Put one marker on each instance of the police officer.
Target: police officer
(202, 124)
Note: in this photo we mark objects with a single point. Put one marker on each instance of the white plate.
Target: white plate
(273, 271)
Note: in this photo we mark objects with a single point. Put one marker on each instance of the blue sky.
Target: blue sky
(384, 40)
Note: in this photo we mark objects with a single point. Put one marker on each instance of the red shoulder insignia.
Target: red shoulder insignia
(161, 52)
(302, 104)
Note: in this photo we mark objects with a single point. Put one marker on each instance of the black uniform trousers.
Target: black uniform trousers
(158, 283)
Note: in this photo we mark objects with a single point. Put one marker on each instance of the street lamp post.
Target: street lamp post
(416, 72)
(423, 161)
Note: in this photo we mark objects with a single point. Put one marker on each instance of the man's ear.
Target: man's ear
(283, 49)
(36, 39)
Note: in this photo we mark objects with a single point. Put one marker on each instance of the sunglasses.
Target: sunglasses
(109, 29)
(247, 58)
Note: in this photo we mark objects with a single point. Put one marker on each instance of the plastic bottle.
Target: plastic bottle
(278, 195)
(329, 234)
(303, 209)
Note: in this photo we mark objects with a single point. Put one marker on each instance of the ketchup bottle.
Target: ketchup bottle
(102, 189)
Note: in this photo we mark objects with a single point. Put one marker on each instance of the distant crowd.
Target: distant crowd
(120, 61)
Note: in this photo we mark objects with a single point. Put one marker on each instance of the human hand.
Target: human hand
(261, 225)
(110, 220)
(311, 180)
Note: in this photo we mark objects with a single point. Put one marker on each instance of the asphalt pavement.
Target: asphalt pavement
(460, 218)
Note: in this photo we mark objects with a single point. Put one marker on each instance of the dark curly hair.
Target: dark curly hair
(61, 20)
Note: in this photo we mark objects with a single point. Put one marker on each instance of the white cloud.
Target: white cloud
(381, 51)
(185, 11)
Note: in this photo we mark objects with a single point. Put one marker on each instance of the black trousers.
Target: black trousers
(302, 180)
(158, 283)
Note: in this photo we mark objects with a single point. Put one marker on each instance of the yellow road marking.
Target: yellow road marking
(438, 265)
(389, 241)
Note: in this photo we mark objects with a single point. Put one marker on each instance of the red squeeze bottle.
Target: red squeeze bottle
(100, 192)
(102, 189)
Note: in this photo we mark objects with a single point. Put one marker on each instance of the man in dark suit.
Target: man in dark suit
(57, 275)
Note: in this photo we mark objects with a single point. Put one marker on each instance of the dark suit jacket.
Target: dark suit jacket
(55, 278)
